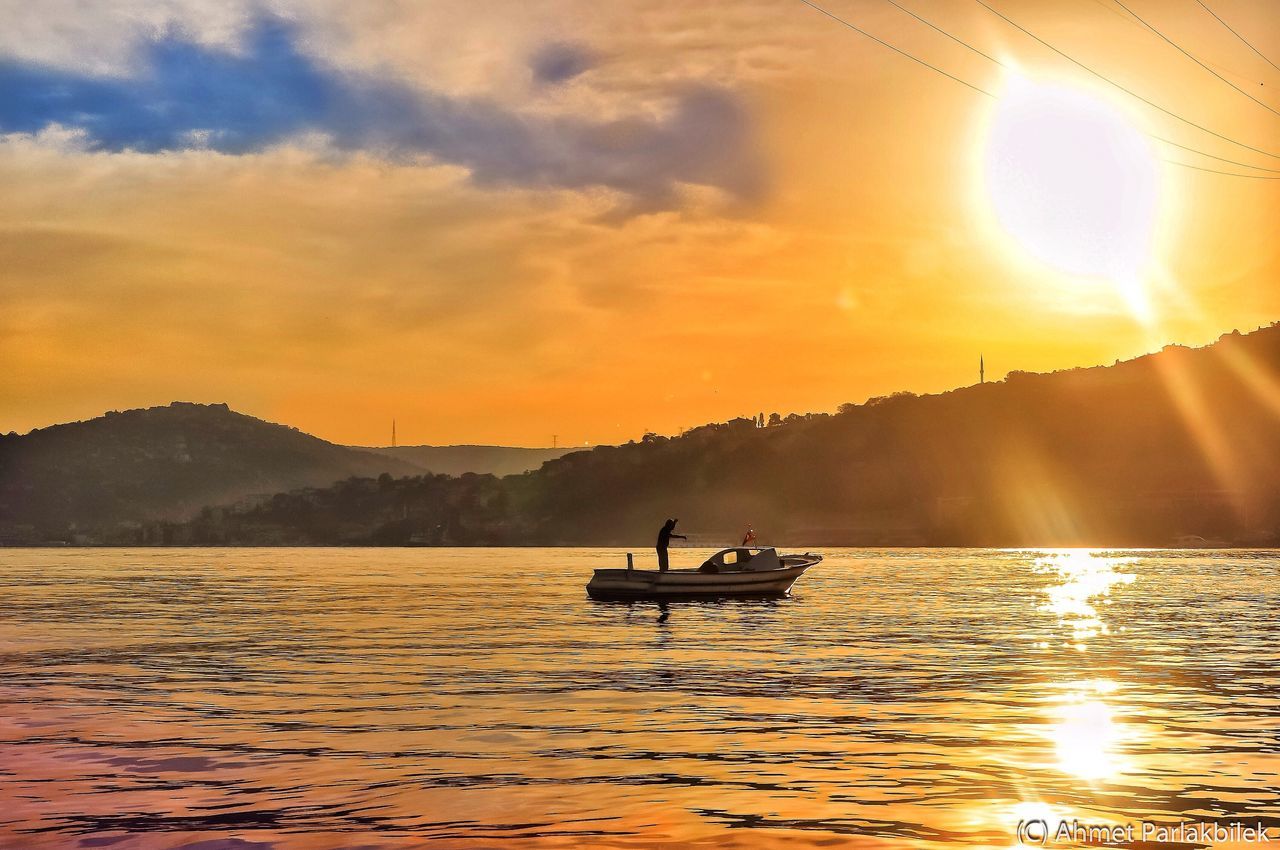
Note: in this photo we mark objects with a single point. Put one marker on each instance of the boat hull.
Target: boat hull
(625, 585)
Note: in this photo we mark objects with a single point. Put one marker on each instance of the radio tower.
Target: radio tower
(393, 433)
(982, 371)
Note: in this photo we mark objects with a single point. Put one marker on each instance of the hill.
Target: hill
(85, 478)
(484, 460)
(1178, 446)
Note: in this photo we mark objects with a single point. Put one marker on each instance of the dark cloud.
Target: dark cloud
(186, 95)
(559, 62)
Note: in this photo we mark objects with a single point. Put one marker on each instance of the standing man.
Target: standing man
(664, 538)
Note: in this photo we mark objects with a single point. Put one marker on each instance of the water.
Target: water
(304, 698)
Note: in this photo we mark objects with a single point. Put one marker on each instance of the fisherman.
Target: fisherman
(664, 539)
(749, 538)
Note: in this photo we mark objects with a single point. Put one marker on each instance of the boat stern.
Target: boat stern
(612, 584)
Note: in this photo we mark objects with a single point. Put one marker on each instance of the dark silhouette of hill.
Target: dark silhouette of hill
(159, 463)
(1181, 446)
(484, 460)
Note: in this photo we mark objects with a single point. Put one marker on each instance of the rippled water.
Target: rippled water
(290, 698)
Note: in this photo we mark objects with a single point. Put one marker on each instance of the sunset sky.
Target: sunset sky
(500, 221)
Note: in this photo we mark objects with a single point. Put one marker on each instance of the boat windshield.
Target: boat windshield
(743, 558)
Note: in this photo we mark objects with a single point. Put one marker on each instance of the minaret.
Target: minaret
(982, 371)
(393, 433)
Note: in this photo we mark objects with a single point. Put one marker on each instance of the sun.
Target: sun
(1074, 183)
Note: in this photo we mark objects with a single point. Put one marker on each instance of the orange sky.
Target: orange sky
(811, 229)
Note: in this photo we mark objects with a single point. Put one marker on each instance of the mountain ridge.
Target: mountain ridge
(159, 463)
(83, 480)
(1177, 445)
(463, 458)
(1180, 443)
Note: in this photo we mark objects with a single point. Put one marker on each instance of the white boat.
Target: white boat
(740, 571)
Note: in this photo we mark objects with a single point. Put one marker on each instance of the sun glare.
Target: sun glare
(1087, 739)
(1074, 184)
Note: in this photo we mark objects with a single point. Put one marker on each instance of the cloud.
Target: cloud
(185, 95)
(102, 38)
(559, 62)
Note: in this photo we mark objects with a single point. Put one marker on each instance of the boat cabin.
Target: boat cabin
(740, 559)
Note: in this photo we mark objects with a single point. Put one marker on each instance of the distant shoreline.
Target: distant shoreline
(1072, 458)
(1211, 546)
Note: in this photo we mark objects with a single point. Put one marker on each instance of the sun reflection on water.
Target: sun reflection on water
(1088, 740)
(418, 698)
(1087, 737)
(1086, 583)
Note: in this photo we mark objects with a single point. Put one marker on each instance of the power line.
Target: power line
(956, 39)
(1007, 67)
(1238, 35)
(1196, 60)
(1212, 156)
(1122, 88)
(1227, 173)
(880, 41)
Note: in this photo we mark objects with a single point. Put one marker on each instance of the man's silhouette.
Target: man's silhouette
(664, 538)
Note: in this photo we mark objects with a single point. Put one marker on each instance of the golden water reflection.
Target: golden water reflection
(327, 699)
(1087, 737)
(1085, 581)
